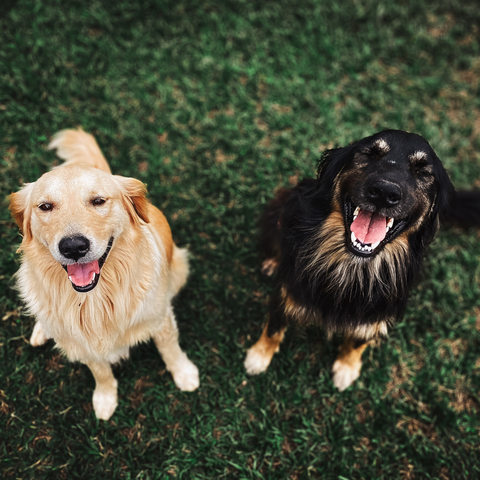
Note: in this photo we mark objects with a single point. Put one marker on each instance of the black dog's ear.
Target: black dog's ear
(442, 202)
(333, 161)
(445, 191)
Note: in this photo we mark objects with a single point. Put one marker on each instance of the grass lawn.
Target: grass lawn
(215, 104)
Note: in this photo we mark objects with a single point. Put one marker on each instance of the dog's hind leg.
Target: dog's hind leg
(269, 266)
(270, 231)
(105, 394)
(346, 368)
(39, 337)
(184, 372)
(260, 355)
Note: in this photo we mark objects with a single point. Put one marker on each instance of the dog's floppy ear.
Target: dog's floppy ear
(441, 203)
(444, 197)
(21, 211)
(445, 191)
(134, 198)
(333, 161)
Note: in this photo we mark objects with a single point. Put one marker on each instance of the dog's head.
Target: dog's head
(77, 213)
(389, 184)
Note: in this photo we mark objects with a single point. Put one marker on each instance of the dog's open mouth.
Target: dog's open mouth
(85, 276)
(368, 232)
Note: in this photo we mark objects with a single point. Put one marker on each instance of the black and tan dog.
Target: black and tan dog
(346, 247)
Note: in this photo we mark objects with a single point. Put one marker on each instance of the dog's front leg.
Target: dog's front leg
(346, 368)
(105, 394)
(39, 337)
(260, 355)
(184, 372)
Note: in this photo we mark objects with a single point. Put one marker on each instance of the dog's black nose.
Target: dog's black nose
(384, 194)
(74, 247)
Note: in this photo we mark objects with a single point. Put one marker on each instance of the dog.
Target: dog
(99, 266)
(345, 247)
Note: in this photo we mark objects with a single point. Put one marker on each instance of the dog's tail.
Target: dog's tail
(179, 269)
(464, 209)
(77, 146)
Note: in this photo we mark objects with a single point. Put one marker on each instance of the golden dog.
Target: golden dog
(99, 267)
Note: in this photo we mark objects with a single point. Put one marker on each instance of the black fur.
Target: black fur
(464, 210)
(291, 224)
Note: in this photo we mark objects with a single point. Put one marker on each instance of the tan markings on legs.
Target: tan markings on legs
(346, 368)
(39, 337)
(291, 307)
(184, 372)
(260, 355)
(269, 266)
(105, 394)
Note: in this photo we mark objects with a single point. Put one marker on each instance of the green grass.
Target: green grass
(215, 104)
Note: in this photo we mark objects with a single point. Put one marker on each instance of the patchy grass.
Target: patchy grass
(214, 104)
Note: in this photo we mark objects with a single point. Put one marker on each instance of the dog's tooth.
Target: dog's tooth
(375, 245)
(353, 237)
(356, 212)
(70, 278)
(354, 217)
(390, 223)
(388, 228)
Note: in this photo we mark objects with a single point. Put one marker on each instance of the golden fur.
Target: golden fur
(142, 273)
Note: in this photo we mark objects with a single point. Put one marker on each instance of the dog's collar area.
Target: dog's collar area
(392, 229)
(96, 276)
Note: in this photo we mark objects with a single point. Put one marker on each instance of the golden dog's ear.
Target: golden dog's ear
(134, 198)
(21, 211)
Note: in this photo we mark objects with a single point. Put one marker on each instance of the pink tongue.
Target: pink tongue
(369, 227)
(81, 274)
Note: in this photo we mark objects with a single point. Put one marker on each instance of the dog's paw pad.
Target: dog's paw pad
(257, 361)
(186, 377)
(345, 374)
(104, 403)
(38, 336)
(269, 267)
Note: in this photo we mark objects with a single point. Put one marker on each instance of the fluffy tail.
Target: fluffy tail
(464, 210)
(179, 269)
(77, 146)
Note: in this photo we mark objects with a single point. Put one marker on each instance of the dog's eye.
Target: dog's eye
(45, 207)
(96, 202)
(422, 169)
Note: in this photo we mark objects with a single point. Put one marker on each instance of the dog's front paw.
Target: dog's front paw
(185, 375)
(38, 335)
(344, 374)
(257, 360)
(105, 402)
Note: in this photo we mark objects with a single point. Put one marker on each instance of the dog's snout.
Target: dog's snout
(74, 247)
(384, 194)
